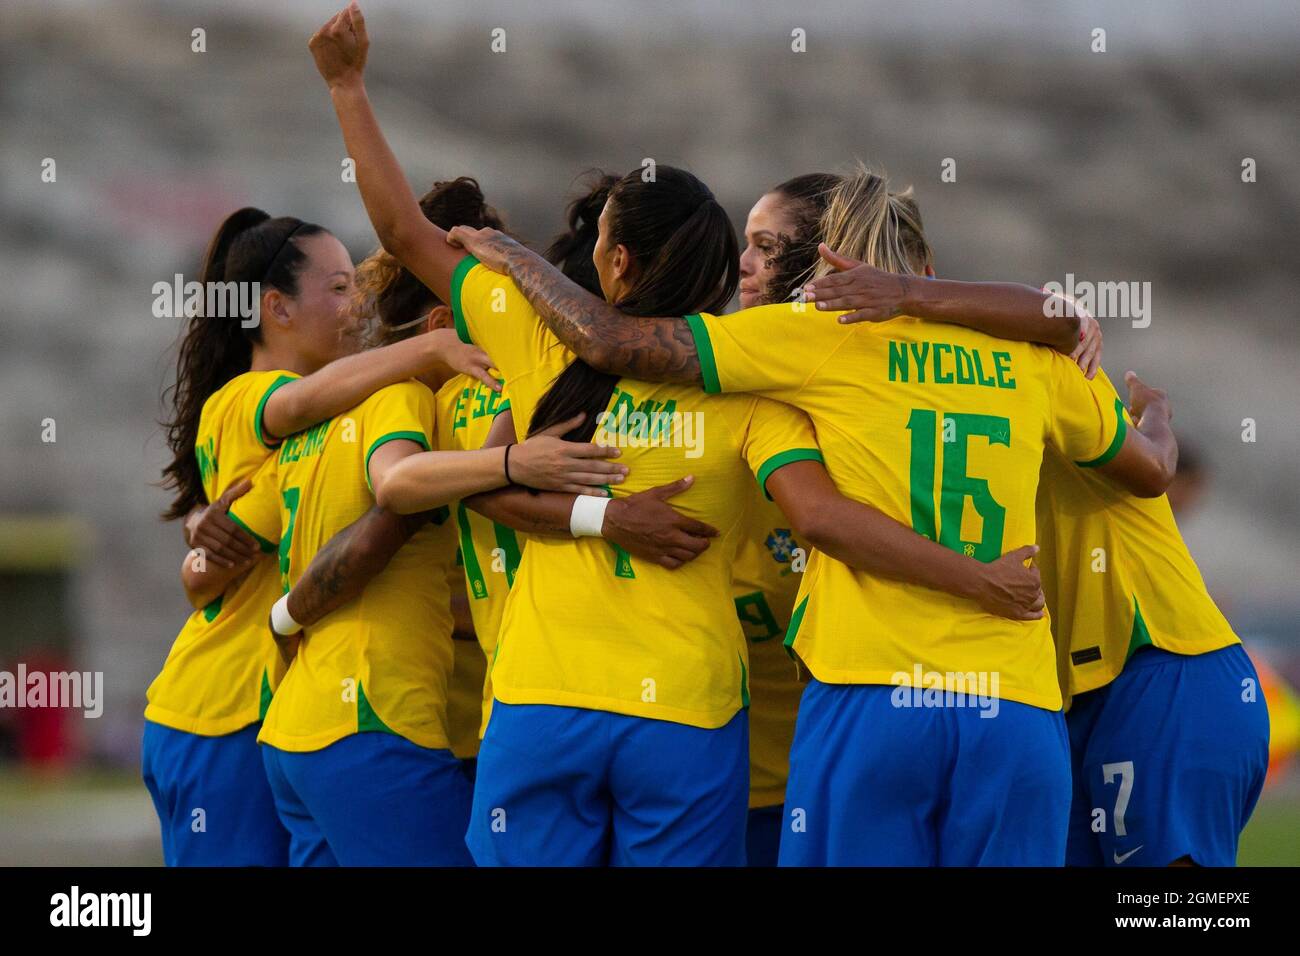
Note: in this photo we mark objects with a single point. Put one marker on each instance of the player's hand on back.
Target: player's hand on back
(549, 463)
(1142, 397)
(224, 543)
(466, 359)
(488, 246)
(340, 47)
(647, 527)
(1088, 352)
(872, 295)
(1009, 589)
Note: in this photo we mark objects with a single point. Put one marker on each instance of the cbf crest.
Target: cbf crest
(782, 545)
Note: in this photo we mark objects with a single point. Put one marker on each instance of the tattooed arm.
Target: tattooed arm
(662, 349)
(659, 349)
(341, 570)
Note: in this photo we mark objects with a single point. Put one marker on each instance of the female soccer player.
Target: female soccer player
(364, 700)
(781, 236)
(641, 523)
(618, 736)
(237, 391)
(877, 648)
(1168, 725)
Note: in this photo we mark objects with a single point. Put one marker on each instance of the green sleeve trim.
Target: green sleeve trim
(261, 407)
(457, 309)
(503, 407)
(1116, 443)
(262, 543)
(704, 351)
(780, 461)
(417, 437)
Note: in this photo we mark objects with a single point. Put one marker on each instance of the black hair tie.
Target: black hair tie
(271, 263)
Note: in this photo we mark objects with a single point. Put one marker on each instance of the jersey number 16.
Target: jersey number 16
(956, 485)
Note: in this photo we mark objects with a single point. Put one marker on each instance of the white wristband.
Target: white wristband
(588, 516)
(282, 621)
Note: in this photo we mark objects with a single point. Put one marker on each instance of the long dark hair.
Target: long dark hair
(390, 294)
(685, 249)
(249, 246)
(805, 200)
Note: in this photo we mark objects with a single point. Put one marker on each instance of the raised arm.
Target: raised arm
(346, 382)
(658, 349)
(339, 49)
(871, 541)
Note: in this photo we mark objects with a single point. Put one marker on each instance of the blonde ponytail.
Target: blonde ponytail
(865, 221)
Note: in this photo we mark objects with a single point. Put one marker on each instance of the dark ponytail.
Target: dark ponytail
(684, 249)
(249, 246)
(389, 294)
(805, 198)
(572, 249)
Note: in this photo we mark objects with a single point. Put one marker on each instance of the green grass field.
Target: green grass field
(100, 818)
(1272, 837)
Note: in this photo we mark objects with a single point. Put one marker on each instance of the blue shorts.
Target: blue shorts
(212, 798)
(763, 835)
(874, 784)
(1169, 759)
(371, 799)
(566, 786)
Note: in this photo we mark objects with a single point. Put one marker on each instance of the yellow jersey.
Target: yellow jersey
(585, 625)
(489, 552)
(465, 685)
(939, 427)
(1116, 574)
(381, 662)
(223, 667)
(764, 581)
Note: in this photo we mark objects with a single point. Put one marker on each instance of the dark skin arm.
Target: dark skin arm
(1006, 310)
(643, 524)
(209, 527)
(871, 541)
(341, 570)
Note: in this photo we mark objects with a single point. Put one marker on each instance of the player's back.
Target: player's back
(585, 625)
(381, 660)
(942, 428)
(1117, 575)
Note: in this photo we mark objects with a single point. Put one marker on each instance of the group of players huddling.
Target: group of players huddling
(565, 505)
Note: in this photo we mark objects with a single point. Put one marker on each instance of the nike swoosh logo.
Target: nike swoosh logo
(1120, 859)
